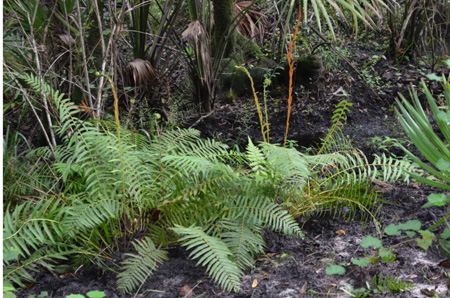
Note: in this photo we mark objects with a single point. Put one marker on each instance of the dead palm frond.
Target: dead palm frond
(140, 73)
(199, 39)
(253, 23)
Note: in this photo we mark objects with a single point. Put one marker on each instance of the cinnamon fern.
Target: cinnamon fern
(106, 189)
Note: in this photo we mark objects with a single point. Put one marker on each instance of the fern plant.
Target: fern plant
(92, 195)
(98, 189)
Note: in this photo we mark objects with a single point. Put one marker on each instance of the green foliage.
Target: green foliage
(212, 253)
(380, 284)
(436, 151)
(138, 267)
(335, 269)
(340, 175)
(393, 229)
(102, 185)
(370, 241)
(361, 262)
(419, 129)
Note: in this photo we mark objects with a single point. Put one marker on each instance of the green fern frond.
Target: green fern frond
(243, 239)
(66, 109)
(212, 253)
(31, 225)
(339, 118)
(287, 163)
(260, 211)
(257, 160)
(85, 214)
(138, 267)
(43, 257)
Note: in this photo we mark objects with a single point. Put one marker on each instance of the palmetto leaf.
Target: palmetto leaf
(253, 23)
(416, 124)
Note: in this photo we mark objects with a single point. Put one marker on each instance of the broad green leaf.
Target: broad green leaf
(95, 294)
(335, 269)
(445, 234)
(75, 296)
(395, 230)
(387, 255)
(370, 241)
(361, 262)
(437, 200)
(445, 247)
(445, 117)
(392, 230)
(414, 225)
(410, 234)
(434, 77)
(44, 294)
(447, 62)
(426, 240)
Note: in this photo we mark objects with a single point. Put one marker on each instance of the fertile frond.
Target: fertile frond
(138, 267)
(212, 253)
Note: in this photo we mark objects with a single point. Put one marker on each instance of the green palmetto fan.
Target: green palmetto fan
(369, 12)
(417, 125)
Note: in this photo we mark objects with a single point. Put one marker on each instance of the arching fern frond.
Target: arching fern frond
(138, 267)
(212, 253)
(243, 239)
(260, 211)
(33, 224)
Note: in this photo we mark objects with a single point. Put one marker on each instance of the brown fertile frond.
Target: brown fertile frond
(140, 73)
(253, 23)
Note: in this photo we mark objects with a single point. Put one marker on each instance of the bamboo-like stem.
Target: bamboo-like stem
(291, 73)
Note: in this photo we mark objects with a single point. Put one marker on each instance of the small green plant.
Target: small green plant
(380, 284)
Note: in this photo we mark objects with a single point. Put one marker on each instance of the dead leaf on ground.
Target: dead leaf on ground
(445, 263)
(340, 232)
(255, 283)
(186, 291)
(304, 288)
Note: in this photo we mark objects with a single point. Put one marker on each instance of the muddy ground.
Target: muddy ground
(294, 267)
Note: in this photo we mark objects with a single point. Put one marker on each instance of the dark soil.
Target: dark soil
(290, 266)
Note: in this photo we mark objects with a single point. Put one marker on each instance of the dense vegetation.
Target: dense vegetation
(98, 159)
